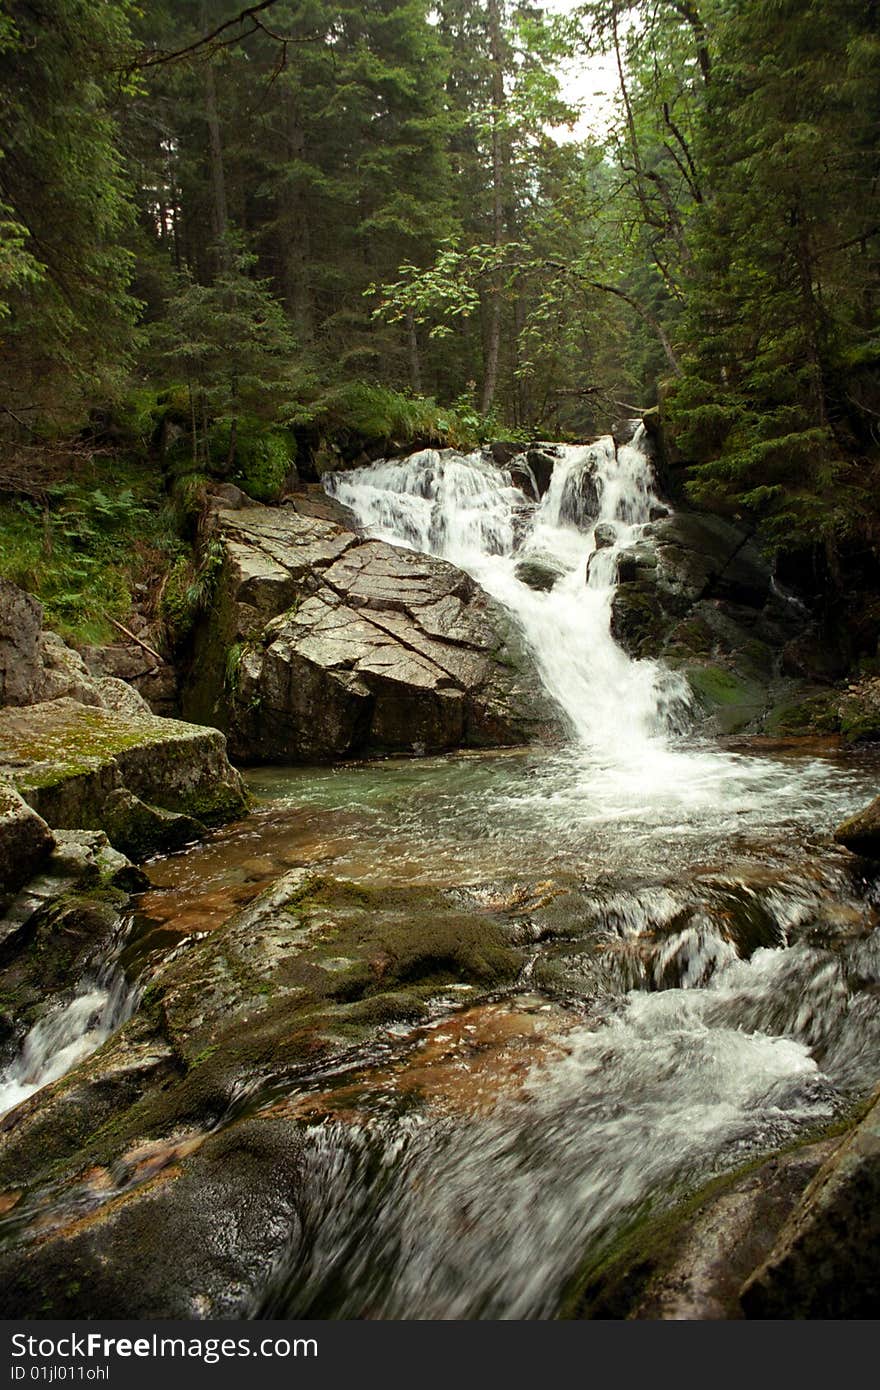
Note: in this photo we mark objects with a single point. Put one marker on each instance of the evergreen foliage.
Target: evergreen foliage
(780, 317)
(65, 200)
(357, 226)
(231, 345)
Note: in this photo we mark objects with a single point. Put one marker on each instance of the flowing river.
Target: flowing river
(728, 1003)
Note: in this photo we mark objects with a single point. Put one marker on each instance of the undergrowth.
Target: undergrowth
(89, 546)
(113, 521)
(378, 413)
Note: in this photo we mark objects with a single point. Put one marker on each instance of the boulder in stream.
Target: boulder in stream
(826, 1260)
(323, 645)
(861, 832)
(697, 594)
(539, 570)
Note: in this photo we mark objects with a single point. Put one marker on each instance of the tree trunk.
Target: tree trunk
(295, 237)
(218, 176)
(415, 364)
(493, 330)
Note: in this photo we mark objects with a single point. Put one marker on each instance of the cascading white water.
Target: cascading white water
(712, 1055)
(466, 510)
(70, 1031)
(712, 987)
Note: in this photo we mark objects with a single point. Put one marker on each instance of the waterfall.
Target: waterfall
(71, 1030)
(465, 509)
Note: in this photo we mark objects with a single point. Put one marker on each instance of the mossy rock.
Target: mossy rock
(861, 832)
(58, 935)
(859, 724)
(313, 966)
(85, 768)
(732, 701)
(689, 1258)
(639, 622)
(817, 714)
(690, 638)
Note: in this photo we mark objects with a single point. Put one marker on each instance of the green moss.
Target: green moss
(203, 1056)
(264, 460)
(216, 804)
(860, 725)
(713, 685)
(380, 1009)
(732, 700)
(816, 715)
(691, 638)
(637, 621)
(87, 738)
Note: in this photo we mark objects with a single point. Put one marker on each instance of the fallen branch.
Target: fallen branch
(140, 642)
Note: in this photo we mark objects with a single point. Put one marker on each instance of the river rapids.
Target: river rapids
(732, 1008)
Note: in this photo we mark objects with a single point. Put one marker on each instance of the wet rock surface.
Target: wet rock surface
(697, 595)
(344, 646)
(64, 916)
(322, 1069)
(826, 1260)
(539, 571)
(861, 832)
(288, 991)
(329, 1008)
(689, 1264)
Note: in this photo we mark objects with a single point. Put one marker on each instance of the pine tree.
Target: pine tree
(783, 306)
(65, 198)
(230, 344)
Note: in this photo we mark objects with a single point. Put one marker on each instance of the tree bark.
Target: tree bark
(493, 328)
(689, 12)
(220, 208)
(295, 248)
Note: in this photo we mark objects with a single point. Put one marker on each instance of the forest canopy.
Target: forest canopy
(363, 214)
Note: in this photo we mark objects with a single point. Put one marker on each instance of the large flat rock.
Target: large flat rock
(324, 645)
(149, 783)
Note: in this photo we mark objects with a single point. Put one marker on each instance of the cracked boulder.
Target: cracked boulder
(323, 645)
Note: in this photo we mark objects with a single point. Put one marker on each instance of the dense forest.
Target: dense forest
(234, 235)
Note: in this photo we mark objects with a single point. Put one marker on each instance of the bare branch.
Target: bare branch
(230, 32)
(691, 178)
